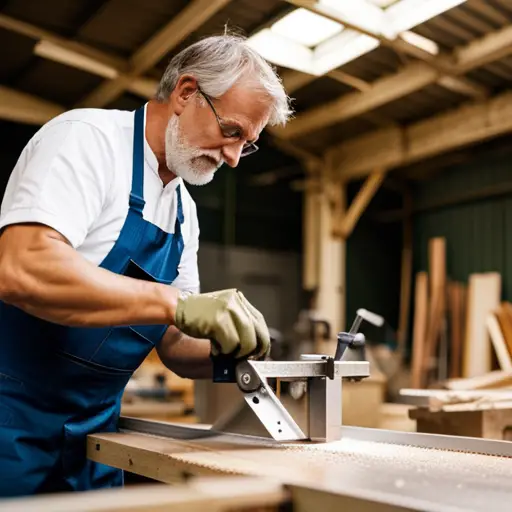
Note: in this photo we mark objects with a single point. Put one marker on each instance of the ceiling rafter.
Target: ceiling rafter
(181, 26)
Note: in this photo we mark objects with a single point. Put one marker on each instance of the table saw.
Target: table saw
(363, 468)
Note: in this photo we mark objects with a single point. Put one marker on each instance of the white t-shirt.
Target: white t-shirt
(75, 175)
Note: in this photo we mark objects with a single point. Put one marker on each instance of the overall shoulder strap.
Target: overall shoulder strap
(137, 193)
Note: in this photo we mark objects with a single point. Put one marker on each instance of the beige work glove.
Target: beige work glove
(225, 317)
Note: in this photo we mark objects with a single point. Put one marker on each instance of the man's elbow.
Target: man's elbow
(16, 286)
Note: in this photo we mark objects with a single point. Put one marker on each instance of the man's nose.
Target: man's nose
(232, 153)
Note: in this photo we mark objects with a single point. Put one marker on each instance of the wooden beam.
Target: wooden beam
(187, 21)
(385, 90)
(345, 225)
(350, 80)
(489, 48)
(80, 50)
(295, 80)
(296, 151)
(70, 53)
(412, 78)
(24, 108)
(394, 147)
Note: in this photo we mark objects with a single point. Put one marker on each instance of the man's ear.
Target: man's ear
(183, 93)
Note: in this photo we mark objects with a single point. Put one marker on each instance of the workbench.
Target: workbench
(367, 469)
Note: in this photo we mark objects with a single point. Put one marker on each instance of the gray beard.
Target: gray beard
(189, 163)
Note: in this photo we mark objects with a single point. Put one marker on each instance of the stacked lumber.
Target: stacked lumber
(456, 325)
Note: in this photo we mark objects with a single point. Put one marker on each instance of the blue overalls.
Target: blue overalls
(58, 384)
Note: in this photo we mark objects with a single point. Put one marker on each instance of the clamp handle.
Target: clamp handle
(353, 340)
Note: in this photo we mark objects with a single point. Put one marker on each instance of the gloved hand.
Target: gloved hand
(227, 318)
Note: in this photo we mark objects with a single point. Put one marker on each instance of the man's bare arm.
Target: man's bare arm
(185, 356)
(43, 275)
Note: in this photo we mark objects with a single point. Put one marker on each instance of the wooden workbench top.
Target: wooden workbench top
(410, 477)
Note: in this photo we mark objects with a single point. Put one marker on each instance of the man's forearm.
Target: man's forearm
(43, 275)
(186, 356)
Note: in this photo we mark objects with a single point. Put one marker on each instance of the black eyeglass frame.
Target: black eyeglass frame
(249, 147)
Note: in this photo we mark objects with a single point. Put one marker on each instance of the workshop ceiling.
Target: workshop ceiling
(391, 106)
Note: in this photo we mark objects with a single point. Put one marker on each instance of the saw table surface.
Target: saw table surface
(411, 477)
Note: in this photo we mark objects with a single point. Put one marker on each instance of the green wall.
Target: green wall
(478, 228)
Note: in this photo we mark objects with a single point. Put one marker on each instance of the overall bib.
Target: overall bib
(58, 384)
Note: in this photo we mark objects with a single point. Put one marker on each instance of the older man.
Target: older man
(98, 259)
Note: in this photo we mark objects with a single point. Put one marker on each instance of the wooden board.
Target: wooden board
(419, 329)
(484, 296)
(457, 308)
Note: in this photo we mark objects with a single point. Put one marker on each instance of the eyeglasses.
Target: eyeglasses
(230, 131)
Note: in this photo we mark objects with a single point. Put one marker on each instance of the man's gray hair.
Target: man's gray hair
(218, 63)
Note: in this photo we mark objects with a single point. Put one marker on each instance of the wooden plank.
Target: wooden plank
(419, 329)
(436, 399)
(484, 296)
(437, 299)
(212, 494)
(492, 380)
(456, 308)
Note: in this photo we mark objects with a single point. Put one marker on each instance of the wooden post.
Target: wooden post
(332, 255)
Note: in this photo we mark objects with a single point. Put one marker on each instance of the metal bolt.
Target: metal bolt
(246, 378)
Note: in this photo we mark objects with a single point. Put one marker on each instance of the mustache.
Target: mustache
(217, 162)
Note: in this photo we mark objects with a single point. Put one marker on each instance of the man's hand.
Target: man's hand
(227, 319)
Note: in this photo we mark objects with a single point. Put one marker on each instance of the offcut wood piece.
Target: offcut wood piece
(484, 295)
(419, 329)
(498, 379)
(445, 400)
(498, 342)
(215, 494)
(456, 308)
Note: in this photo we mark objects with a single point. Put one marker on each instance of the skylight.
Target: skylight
(306, 27)
(316, 44)
(407, 14)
